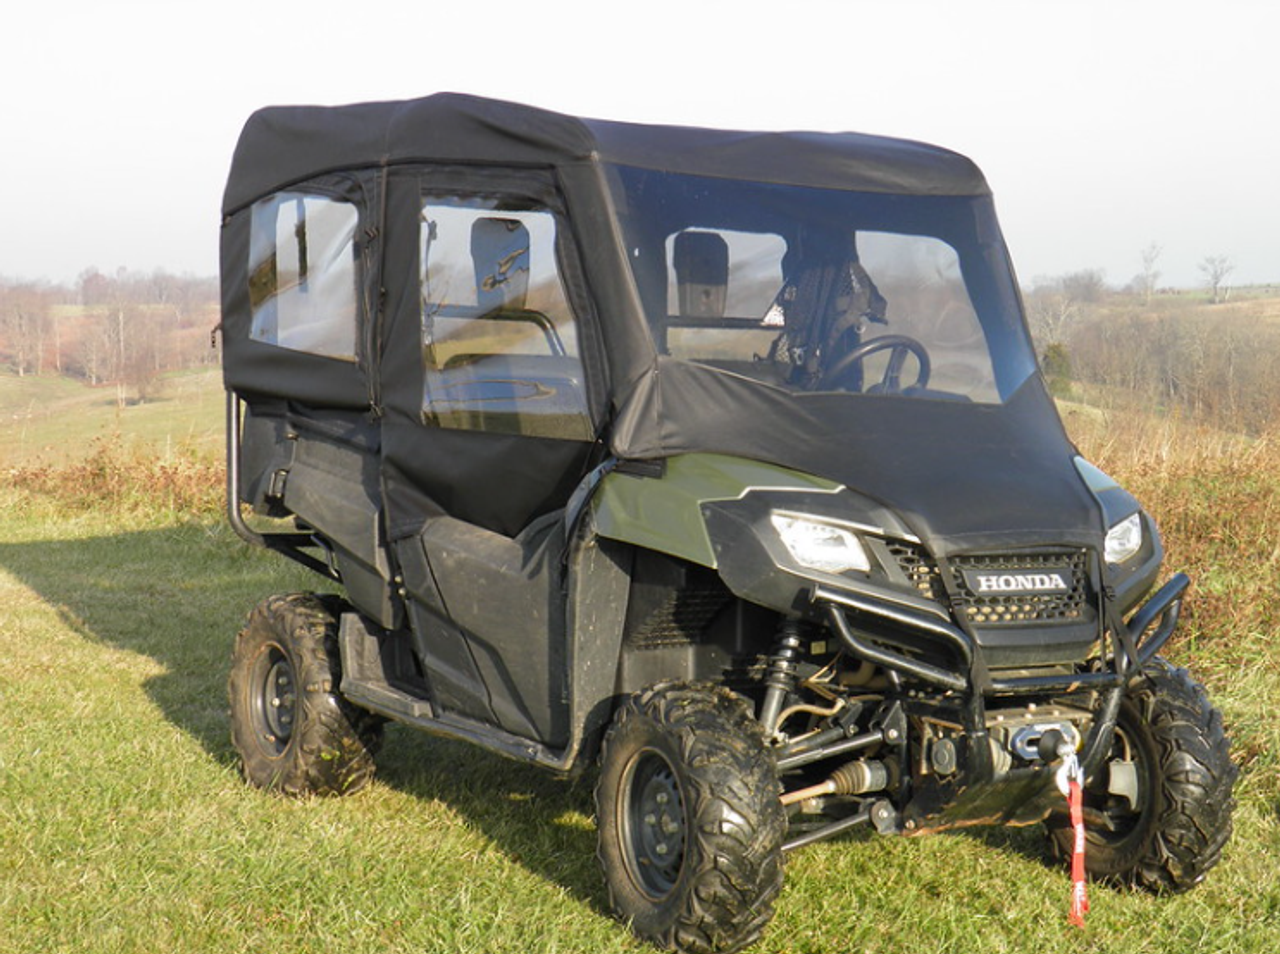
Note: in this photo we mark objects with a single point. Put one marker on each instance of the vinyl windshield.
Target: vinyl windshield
(814, 290)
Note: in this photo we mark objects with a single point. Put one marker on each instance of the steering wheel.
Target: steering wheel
(891, 383)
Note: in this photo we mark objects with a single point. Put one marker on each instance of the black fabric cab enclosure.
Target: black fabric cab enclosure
(512, 295)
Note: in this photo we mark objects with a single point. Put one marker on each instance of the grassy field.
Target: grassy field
(124, 825)
(53, 420)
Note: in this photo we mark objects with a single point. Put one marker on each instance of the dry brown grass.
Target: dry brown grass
(1216, 498)
(127, 478)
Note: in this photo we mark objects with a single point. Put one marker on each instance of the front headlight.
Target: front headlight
(1124, 539)
(820, 546)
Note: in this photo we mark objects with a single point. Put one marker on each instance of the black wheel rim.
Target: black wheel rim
(653, 824)
(274, 700)
(1123, 818)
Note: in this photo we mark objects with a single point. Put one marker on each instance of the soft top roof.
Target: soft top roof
(283, 145)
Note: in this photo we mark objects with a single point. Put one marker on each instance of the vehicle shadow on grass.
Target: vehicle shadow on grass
(1030, 842)
(178, 595)
(538, 820)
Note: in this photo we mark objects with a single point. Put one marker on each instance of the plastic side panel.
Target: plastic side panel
(334, 488)
(505, 596)
(599, 585)
(265, 450)
(664, 513)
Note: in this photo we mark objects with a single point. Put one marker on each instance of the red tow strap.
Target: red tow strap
(1079, 896)
(1070, 779)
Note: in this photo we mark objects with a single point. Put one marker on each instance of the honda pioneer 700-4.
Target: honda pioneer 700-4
(720, 460)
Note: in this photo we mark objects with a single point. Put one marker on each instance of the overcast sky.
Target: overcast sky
(1102, 125)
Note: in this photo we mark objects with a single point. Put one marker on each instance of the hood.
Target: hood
(965, 477)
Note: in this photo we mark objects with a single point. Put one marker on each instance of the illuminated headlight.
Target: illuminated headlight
(1124, 539)
(820, 546)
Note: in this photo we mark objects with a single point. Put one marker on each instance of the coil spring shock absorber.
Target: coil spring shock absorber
(780, 680)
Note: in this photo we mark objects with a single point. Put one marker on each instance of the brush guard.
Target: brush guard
(1133, 644)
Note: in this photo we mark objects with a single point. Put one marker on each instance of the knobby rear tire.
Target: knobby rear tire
(294, 732)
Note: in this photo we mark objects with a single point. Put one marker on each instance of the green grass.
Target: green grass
(125, 827)
(54, 420)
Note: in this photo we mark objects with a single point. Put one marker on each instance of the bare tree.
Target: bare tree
(1054, 304)
(1216, 268)
(1054, 307)
(24, 320)
(134, 348)
(90, 352)
(1088, 286)
(1150, 275)
(94, 288)
(1050, 311)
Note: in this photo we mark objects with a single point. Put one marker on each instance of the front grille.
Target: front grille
(920, 570)
(1000, 609)
(1007, 610)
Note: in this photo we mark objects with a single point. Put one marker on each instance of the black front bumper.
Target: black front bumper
(983, 793)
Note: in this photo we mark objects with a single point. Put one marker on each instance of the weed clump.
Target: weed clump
(128, 478)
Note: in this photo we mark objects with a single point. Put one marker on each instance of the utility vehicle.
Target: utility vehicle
(718, 459)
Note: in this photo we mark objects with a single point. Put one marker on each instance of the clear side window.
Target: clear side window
(499, 341)
(302, 274)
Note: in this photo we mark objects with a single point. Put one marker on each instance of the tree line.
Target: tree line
(1097, 343)
(125, 329)
(1208, 357)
